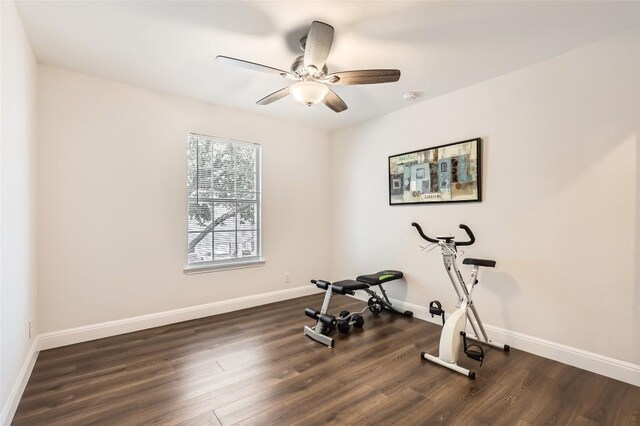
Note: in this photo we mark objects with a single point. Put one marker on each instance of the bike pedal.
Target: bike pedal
(476, 355)
(435, 308)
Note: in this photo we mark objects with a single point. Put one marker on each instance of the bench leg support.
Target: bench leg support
(386, 302)
(320, 338)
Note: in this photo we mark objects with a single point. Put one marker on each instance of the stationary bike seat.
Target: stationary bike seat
(480, 262)
(380, 277)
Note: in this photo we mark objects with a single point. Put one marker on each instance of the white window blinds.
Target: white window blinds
(223, 186)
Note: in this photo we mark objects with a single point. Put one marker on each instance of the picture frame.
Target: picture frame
(450, 173)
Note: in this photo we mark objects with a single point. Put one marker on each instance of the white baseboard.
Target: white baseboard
(600, 364)
(128, 325)
(17, 389)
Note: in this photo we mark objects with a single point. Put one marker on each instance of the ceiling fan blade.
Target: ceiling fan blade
(279, 94)
(334, 101)
(253, 66)
(318, 44)
(363, 77)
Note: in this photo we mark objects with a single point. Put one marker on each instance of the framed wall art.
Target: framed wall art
(442, 174)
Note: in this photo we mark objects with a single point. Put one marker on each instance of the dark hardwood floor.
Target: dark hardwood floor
(256, 367)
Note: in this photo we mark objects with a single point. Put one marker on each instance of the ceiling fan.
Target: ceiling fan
(311, 74)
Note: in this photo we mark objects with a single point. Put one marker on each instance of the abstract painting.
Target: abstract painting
(446, 173)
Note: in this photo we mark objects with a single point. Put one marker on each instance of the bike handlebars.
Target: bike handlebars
(472, 238)
(422, 234)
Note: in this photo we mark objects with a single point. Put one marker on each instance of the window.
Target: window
(223, 186)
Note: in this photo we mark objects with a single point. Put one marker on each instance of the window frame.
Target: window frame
(236, 263)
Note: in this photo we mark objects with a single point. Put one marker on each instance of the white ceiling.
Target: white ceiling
(438, 46)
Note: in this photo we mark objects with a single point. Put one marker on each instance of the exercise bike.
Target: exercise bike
(454, 339)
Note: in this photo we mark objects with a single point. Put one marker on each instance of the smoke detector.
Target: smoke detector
(411, 96)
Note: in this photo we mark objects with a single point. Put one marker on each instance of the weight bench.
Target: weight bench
(325, 323)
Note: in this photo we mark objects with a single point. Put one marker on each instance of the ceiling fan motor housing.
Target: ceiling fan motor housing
(298, 68)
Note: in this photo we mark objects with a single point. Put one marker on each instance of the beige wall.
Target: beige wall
(17, 199)
(561, 205)
(112, 202)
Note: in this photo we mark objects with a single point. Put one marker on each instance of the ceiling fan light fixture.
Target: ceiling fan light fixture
(309, 92)
(311, 74)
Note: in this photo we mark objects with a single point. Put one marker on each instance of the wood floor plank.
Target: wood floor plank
(205, 419)
(277, 415)
(238, 368)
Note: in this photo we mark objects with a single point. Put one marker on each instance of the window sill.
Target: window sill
(201, 269)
